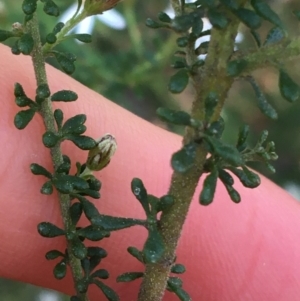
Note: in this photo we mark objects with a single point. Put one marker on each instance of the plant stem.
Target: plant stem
(212, 78)
(56, 155)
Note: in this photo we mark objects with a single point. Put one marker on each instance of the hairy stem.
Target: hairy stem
(212, 78)
(56, 155)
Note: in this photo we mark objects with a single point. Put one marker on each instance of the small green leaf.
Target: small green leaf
(82, 37)
(22, 118)
(217, 19)
(82, 285)
(93, 233)
(74, 125)
(136, 253)
(183, 22)
(37, 169)
(165, 203)
(94, 183)
(264, 10)
(83, 142)
(247, 177)
(248, 17)
(163, 17)
(64, 95)
(140, 192)
(183, 160)
(51, 9)
(130, 276)
(58, 27)
(178, 268)
(256, 37)
(4, 35)
(47, 188)
(226, 177)
(234, 195)
(60, 270)
(288, 88)
(107, 291)
(47, 229)
(50, 139)
(173, 116)
(216, 128)
(112, 223)
(96, 252)
(231, 4)
(102, 274)
(275, 35)
(209, 188)
(75, 212)
(43, 91)
(59, 117)
(78, 248)
(89, 209)
(154, 247)
(236, 67)
(53, 254)
(263, 104)
(26, 43)
(179, 81)
(152, 24)
(66, 61)
(23, 101)
(18, 90)
(179, 292)
(196, 29)
(29, 6)
(51, 38)
(242, 137)
(69, 183)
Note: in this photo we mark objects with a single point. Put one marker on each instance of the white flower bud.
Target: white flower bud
(100, 155)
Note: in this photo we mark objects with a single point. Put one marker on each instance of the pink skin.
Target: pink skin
(249, 251)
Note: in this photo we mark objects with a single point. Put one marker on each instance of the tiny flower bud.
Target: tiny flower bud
(95, 7)
(100, 156)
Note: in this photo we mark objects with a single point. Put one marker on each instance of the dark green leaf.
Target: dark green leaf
(89, 209)
(92, 193)
(175, 282)
(83, 142)
(154, 247)
(236, 67)
(29, 6)
(216, 128)
(51, 38)
(179, 81)
(130, 276)
(4, 35)
(234, 195)
(112, 223)
(184, 159)
(217, 19)
(248, 17)
(264, 10)
(136, 253)
(64, 95)
(60, 270)
(165, 203)
(275, 35)
(182, 41)
(178, 268)
(263, 104)
(93, 233)
(26, 43)
(22, 118)
(173, 116)
(37, 169)
(65, 61)
(102, 274)
(82, 37)
(183, 23)
(225, 177)
(196, 29)
(107, 291)
(23, 101)
(94, 183)
(209, 188)
(18, 90)
(152, 24)
(58, 27)
(247, 177)
(96, 252)
(288, 88)
(163, 17)
(47, 229)
(78, 248)
(51, 9)
(53, 254)
(74, 124)
(231, 4)
(65, 182)
(82, 285)
(140, 192)
(47, 188)
(242, 137)
(75, 212)
(59, 117)
(43, 91)
(50, 139)
(181, 294)
(75, 298)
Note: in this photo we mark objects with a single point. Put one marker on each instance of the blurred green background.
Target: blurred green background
(131, 66)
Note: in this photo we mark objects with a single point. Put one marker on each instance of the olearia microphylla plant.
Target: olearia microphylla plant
(203, 152)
